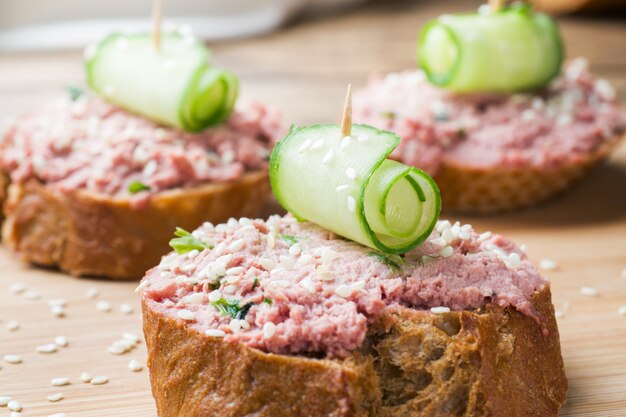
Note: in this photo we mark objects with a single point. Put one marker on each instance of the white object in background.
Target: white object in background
(61, 24)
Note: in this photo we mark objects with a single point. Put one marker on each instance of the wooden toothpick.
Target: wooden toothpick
(157, 7)
(346, 120)
(496, 4)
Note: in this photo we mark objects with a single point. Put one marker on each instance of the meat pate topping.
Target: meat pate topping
(288, 287)
(570, 119)
(90, 144)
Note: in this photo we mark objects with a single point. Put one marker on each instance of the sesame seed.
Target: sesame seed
(93, 293)
(14, 405)
(271, 241)
(143, 285)
(55, 397)
(99, 380)
(604, 89)
(351, 204)
(442, 225)
(328, 157)
(61, 341)
(323, 274)
(58, 311)
(269, 329)
(548, 265)
(103, 306)
(514, 260)
(188, 268)
(306, 145)
(126, 308)
(440, 310)
(215, 295)
(341, 188)
(589, 291)
(235, 326)
(12, 325)
(624, 273)
(85, 377)
(308, 285)
(117, 350)
(358, 286)
(235, 271)
(32, 295)
(523, 247)
(345, 142)
(58, 415)
(446, 252)
(237, 245)
(60, 381)
(558, 314)
(328, 255)
(267, 264)
(13, 359)
(215, 333)
(305, 259)
(351, 173)
(229, 289)
(344, 291)
(15, 414)
(187, 315)
(131, 337)
(135, 366)
(48, 348)
(318, 144)
(622, 310)
(195, 298)
(295, 250)
(4, 400)
(484, 236)
(448, 236)
(17, 288)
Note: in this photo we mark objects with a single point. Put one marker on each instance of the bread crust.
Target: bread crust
(494, 189)
(83, 233)
(490, 362)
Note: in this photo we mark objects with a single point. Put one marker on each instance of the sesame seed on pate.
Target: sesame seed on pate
(440, 310)
(187, 315)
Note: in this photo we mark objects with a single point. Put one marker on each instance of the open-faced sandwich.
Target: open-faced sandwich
(98, 182)
(358, 303)
(492, 114)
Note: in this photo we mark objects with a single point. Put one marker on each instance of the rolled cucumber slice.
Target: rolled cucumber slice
(347, 185)
(513, 49)
(174, 85)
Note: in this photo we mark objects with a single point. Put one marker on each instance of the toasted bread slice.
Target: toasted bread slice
(475, 190)
(83, 233)
(490, 362)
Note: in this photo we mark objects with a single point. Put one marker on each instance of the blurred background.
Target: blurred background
(36, 25)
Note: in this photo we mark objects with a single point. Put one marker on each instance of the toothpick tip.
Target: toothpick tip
(346, 120)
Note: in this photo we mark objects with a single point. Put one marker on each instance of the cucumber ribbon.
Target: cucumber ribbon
(512, 49)
(347, 185)
(173, 85)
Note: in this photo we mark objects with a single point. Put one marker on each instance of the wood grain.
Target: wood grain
(304, 69)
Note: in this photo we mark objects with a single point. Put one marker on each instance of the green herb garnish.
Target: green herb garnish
(292, 240)
(255, 283)
(74, 92)
(394, 262)
(137, 186)
(267, 301)
(232, 308)
(186, 242)
(215, 285)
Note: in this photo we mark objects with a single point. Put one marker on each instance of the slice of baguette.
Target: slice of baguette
(84, 233)
(474, 190)
(489, 362)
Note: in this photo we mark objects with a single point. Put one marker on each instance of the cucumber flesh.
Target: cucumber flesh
(174, 85)
(510, 50)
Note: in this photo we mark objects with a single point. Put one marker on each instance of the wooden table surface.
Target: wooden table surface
(304, 69)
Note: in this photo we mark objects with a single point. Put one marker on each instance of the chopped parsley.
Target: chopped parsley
(255, 283)
(215, 285)
(291, 240)
(137, 186)
(267, 301)
(74, 92)
(394, 262)
(186, 242)
(232, 308)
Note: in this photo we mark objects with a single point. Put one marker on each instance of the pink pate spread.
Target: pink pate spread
(309, 292)
(92, 145)
(564, 123)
